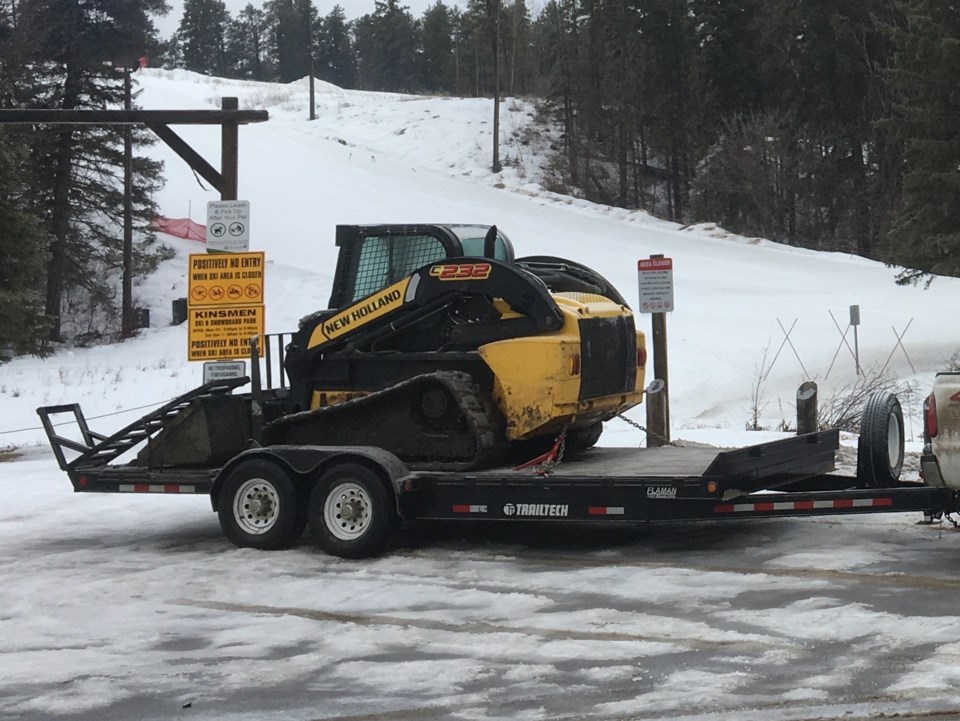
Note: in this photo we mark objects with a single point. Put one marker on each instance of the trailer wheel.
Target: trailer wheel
(880, 450)
(351, 513)
(259, 508)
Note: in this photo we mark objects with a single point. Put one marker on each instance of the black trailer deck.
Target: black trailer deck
(637, 485)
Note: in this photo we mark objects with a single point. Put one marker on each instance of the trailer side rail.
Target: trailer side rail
(644, 501)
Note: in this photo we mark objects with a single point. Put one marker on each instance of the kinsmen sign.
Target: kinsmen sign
(224, 305)
(218, 333)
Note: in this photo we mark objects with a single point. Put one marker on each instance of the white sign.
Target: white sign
(656, 285)
(228, 226)
(223, 370)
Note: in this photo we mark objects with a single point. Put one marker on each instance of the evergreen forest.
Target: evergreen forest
(827, 124)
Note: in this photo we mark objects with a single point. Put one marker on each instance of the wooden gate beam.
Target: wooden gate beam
(229, 118)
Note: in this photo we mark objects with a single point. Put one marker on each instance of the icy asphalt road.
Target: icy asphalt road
(135, 607)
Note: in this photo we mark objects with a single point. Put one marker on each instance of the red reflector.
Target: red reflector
(843, 503)
(461, 508)
(641, 357)
(803, 505)
(82, 481)
(597, 511)
(930, 416)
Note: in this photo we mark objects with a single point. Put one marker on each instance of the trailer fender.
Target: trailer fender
(307, 463)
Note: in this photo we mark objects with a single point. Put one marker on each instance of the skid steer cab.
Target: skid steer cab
(443, 347)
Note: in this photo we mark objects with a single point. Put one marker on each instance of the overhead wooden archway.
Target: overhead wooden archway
(229, 117)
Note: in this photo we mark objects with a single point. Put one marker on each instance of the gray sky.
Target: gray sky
(353, 9)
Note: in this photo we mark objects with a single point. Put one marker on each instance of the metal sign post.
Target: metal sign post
(655, 278)
(855, 321)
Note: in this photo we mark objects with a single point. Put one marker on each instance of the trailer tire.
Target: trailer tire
(351, 513)
(880, 449)
(259, 507)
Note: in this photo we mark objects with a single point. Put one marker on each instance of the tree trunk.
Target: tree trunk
(60, 212)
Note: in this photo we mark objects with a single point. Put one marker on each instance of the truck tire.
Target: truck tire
(259, 507)
(351, 513)
(880, 450)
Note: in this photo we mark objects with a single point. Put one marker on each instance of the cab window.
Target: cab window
(474, 247)
(386, 259)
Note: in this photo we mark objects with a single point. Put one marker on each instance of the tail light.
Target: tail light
(641, 357)
(930, 427)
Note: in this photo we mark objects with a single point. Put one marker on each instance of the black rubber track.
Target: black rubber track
(393, 419)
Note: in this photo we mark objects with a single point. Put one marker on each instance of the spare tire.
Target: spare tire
(880, 450)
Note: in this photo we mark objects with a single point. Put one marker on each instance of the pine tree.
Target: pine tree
(925, 232)
(437, 74)
(75, 174)
(23, 325)
(292, 26)
(202, 35)
(519, 67)
(386, 43)
(335, 59)
(246, 43)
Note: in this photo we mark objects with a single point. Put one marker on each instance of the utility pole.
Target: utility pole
(126, 313)
(313, 97)
(496, 167)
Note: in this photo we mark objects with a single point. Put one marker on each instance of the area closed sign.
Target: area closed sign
(226, 279)
(655, 276)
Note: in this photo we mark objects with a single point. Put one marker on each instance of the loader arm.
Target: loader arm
(474, 291)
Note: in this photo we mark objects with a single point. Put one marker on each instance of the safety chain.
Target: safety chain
(546, 462)
(649, 432)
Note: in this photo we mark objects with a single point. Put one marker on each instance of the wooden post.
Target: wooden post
(659, 341)
(126, 304)
(229, 152)
(807, 408)
(313, 97)
(658, 433)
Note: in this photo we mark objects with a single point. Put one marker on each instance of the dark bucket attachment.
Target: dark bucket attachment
(208, 432)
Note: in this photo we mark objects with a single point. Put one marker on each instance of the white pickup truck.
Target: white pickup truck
(940, 461)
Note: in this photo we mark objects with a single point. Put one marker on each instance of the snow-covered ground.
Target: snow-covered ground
(132, 607)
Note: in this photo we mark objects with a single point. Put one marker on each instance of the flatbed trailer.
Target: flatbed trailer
(355, 497)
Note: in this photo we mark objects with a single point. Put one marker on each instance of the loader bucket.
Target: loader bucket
(208, 432)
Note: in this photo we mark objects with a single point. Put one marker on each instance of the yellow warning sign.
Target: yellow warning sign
(221, 333)
(225, 279)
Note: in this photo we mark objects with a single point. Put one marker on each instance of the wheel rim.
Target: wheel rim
(893, 440)
(256, 506)
(347, 510)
